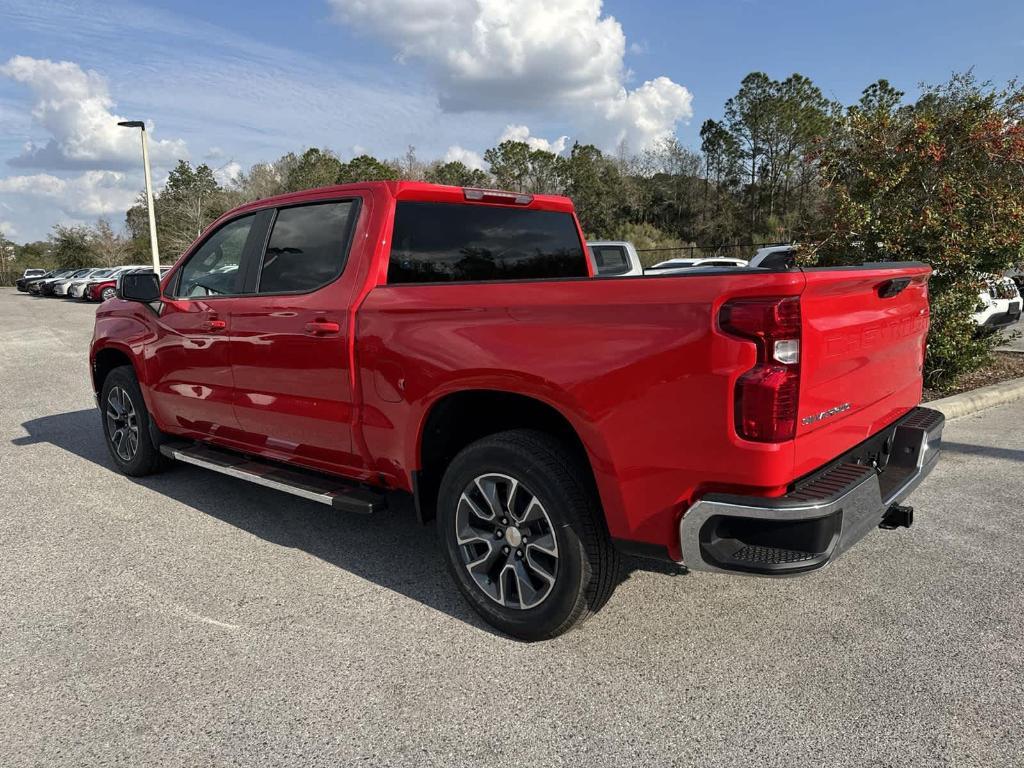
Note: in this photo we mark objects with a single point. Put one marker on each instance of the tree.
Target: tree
(747, 115)
(546, 173)
(510, 165)
(518, 168)
(366, 168)
(190, 201)
(409, 167)
(262, 180)
(71, 247)
(595, 185)
(721, 177)
(798, 117)
(671, 187)
(457, 174)
(109, 248)
(936, 181)
(8, 254)
(314, 168)
(774, 125)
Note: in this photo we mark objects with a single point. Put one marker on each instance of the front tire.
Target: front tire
(520, 527)
(108, 293)
(126, 424)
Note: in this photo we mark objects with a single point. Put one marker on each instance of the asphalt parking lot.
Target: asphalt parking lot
(193, 619)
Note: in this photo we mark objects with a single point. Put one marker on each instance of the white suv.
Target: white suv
(999, 304)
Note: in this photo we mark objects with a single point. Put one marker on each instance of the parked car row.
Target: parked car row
(89, 284)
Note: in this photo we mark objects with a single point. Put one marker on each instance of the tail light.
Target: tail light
(767, 395)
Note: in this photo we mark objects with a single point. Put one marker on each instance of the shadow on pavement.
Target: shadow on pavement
(1011, 454)
(391, 549)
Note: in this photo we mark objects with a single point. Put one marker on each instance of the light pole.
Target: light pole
(149, 192)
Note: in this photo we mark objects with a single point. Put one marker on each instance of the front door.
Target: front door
(190, 362)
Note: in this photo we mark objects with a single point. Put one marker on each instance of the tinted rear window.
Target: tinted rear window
(307, 247)
(445, 242)
(610, 259)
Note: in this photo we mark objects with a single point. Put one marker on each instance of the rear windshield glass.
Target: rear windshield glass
(610, 259)
(445, 242)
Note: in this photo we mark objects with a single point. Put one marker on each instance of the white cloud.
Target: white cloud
(7, 229)
(639, 117)
(535, 55)
(467, 157)
(91, 194)
(74, 107)
(522, 133)
(227, 173)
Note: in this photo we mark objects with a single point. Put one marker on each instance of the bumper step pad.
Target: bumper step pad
(770, 555)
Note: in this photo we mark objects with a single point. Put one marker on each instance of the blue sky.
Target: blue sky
(234, 83)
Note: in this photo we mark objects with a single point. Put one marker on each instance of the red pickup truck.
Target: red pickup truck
(355, 342)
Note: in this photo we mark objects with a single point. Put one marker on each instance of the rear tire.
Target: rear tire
(126, 424)
(520, 526)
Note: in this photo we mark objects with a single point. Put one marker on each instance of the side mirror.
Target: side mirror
(139, 286)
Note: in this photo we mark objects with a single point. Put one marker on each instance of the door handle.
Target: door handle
(214, 325)
(322, 327)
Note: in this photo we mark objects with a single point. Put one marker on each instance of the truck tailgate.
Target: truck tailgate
(864, 333)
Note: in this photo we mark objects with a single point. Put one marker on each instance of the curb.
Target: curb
(955, 406)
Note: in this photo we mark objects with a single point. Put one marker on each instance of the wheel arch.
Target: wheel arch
(456, 419)
(106, 359)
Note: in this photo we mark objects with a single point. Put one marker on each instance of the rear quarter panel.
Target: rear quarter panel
(636, 366)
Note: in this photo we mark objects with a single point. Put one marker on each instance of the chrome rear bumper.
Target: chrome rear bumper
(823, 516)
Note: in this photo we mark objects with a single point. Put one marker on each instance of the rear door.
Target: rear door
(290, 337)
(864, 334)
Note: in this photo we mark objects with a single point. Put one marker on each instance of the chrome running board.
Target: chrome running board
(325, 489)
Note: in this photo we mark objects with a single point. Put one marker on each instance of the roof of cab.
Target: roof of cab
(420, 191)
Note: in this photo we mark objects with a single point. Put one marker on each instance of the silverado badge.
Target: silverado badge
(814, 418)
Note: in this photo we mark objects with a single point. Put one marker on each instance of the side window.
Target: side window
(213, 270)
(308, 247)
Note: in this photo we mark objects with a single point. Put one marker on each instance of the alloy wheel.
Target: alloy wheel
(506, 541)
(122, 424)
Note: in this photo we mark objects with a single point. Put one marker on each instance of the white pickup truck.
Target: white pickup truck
(614, 258)
(619, 258)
